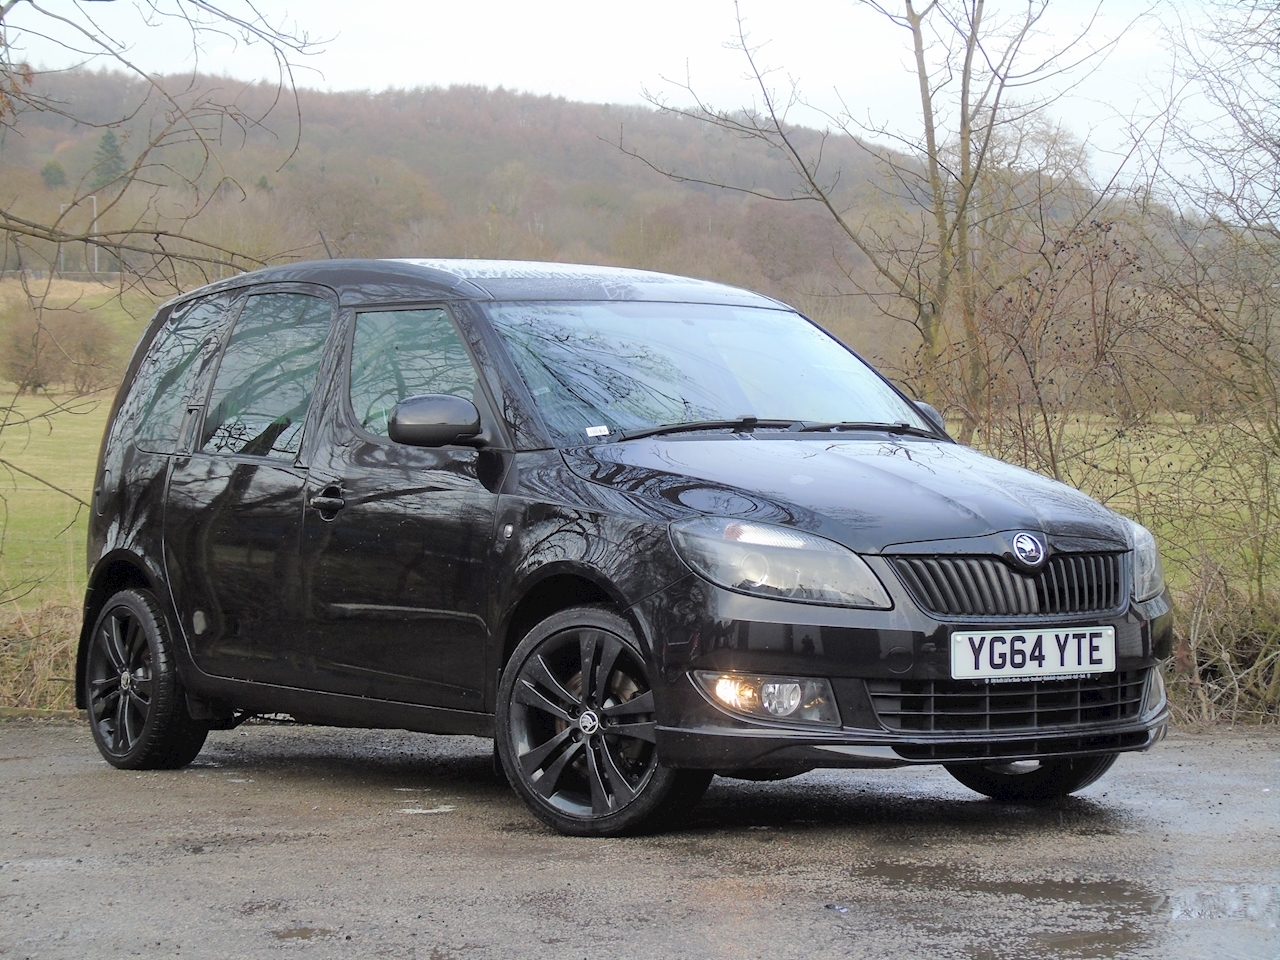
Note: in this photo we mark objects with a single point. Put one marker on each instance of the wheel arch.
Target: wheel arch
(558, 588)
(116, 572)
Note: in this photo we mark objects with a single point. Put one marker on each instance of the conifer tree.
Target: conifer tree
(108, 165)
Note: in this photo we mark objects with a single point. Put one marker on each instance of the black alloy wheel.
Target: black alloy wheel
(1031, 781)
(137, 709)
(575, 728)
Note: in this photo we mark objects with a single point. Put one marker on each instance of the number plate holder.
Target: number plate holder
(1032, 654)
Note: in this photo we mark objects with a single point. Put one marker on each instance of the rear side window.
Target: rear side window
(174, 375)
(267, 375)
(405, 353)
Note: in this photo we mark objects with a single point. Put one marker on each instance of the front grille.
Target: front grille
(986, 586)
(965, 707)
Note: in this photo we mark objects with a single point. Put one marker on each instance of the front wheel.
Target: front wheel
(1031, 781)
(575, 728)
(137, 709)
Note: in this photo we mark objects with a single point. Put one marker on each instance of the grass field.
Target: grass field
(55, 438)
(42, 561)
(43, 556)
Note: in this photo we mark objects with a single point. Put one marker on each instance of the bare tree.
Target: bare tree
(134, 213)
(977, 178)
(1211, 216)
(1220, 267)
(135, 209)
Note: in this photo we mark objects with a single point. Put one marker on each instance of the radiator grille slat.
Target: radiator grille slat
(987, 586)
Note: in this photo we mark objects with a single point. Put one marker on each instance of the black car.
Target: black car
(638, 529)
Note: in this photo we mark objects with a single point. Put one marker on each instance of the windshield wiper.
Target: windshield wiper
(900, 427)
(742, 423)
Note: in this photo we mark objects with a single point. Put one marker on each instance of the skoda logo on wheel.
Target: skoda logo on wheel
(588, 722)
(1029, 549)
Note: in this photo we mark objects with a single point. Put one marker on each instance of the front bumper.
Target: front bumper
(890, 673)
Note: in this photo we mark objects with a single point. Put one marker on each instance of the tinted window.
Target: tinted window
(264, 384)
(628, 366)
(174, 374)
(405, 353)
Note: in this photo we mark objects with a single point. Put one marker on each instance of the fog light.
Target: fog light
(794, 699)
(736, 693)
(780, 699)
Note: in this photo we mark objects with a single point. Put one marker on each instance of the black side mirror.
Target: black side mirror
(930, 413)
(433, 420)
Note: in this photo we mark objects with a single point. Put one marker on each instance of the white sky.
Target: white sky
(601, 51)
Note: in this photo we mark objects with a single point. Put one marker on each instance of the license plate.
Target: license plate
(1032, 654)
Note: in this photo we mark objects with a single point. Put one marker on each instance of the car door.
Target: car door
(397, 540)
(233, 510)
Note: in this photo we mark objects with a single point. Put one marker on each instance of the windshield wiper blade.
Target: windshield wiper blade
(899, 427)
(742, 423)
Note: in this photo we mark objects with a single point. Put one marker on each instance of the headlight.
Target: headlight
(777, 562)
(1148, 574)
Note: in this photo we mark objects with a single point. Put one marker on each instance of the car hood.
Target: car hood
(869, 494)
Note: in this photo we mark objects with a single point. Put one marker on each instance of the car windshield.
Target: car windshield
(604, 370)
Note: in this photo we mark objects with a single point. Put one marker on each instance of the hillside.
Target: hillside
(466, 171)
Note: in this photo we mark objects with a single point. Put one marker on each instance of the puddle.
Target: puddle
(1258, 902)
(1106, 893)
(249, 908)
(300, 933)
(1067, 918)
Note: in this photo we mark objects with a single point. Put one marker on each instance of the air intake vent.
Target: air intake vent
(1033, 706)
(986, 586)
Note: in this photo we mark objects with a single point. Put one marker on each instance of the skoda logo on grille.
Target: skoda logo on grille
(1028, 549)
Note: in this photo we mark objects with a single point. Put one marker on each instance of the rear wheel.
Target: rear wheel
(137, 709)
(575, 729)
(1031, 781)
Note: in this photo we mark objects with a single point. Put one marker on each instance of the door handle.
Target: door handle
(327, 503)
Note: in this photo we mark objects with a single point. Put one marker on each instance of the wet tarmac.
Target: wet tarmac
(283, 841)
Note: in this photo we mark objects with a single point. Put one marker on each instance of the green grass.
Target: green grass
(42, 558)
(51, 441)
(56, 439)
(125, 313)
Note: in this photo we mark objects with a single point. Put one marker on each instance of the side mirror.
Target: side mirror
(930, 413)
(433, 420)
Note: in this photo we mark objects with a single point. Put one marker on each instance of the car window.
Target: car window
(405, 353)
(598, 368)
(174, 374)
(267, 375)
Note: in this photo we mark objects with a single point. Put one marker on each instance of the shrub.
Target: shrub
(53, 175)
(1228, 662)
(37, 655)
(43, 349)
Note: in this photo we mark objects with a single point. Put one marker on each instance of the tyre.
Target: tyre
(575, 729)
(1031, 781)
(137, 708)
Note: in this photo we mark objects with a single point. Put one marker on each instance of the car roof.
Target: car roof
(371, 280)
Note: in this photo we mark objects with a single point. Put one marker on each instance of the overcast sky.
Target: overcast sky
(599, 51)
